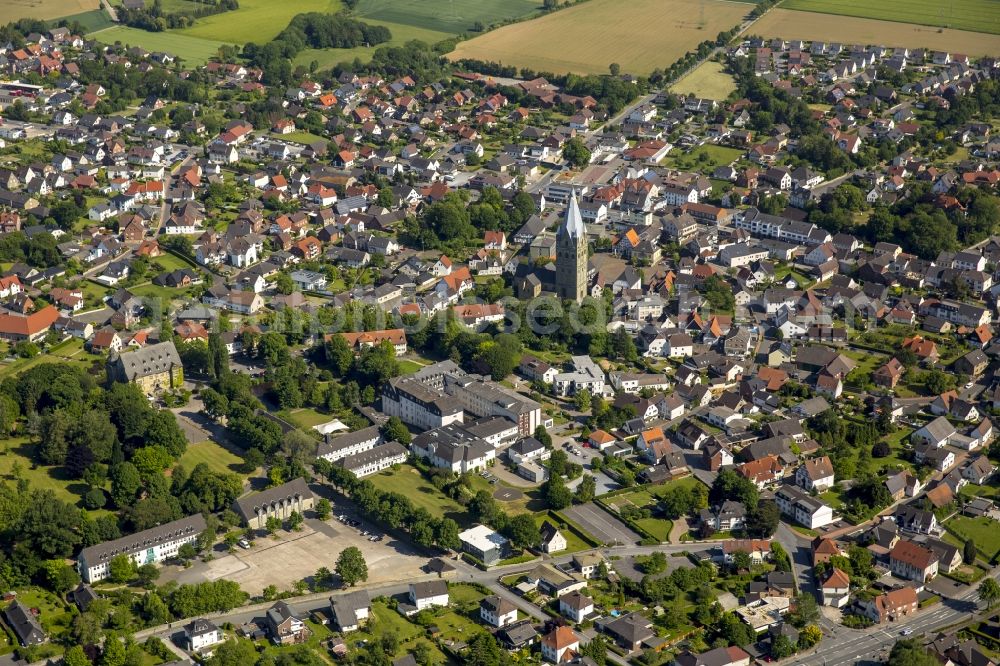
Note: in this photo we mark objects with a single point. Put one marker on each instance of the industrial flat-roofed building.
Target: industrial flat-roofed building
(279, 502)
(150, 546)
(484, 543)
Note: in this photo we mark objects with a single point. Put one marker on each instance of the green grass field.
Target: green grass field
(401, 34)
(18, 450)
(170, 262)
(981, 530)
(708, 80)
(69, 351)
(307, 418)
(388, 621)
(646, 496)
(91, 21)
(218, 458)
(408, 481)
(974, 15)
(194, 50)
(255, 21)
(706, 157)
(454, 16)
(300, 136)
(990, 489)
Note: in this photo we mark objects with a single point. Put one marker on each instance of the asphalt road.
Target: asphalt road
(873, 644)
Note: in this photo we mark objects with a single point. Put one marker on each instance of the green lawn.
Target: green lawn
(981, 530)
(408, 367)
(832, 497)
(707, 157)
(69, 351)
(408, 481)
(388, 621)
(659, 528)
(645, 496)
(301, 136)
(217, 457)
(307, 417)
(975, 15)
(19, 450)
(54, 615)
(990, 489)
(165, 294)
(170, 262)
(574, 544)
(192, 49)
(256, 21)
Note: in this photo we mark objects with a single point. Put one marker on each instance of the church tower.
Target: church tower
(571, 255)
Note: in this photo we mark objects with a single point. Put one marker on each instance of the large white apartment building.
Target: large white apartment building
(150, 546)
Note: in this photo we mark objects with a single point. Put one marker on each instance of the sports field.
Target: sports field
(974, 15)
(454, 16)
(808, 26)
(708, 80)
(11, 10)
(639, 35)
(255, 21)
(194, 50)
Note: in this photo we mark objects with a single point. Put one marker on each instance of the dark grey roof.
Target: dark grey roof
(334, 443)
(432, 588)
(143, 540)
(245, 506)
(24, 624)
(200, 627)
(150, 360)
(345, 607)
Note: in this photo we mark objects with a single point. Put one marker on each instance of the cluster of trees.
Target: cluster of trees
(851, 449)
(678, 501)
(858, 564)
(453, 223)
(373, 367)
(155, 19)
(489, 352)
(40, 250)
(917, 223)
(762, 516)
(111, 435)
(310, 30)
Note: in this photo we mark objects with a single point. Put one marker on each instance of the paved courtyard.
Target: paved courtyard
(297, 555)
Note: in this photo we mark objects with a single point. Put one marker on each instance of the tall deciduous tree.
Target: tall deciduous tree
(351, 566)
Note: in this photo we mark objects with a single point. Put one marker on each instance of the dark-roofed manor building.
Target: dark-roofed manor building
(153, 368)
(279, 502)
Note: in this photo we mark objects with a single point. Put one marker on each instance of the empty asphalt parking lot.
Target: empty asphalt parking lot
(600, 524)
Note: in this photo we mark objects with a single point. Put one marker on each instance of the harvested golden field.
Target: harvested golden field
(791, 24)
(11, 10)
(639, 35)
(708, 80)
